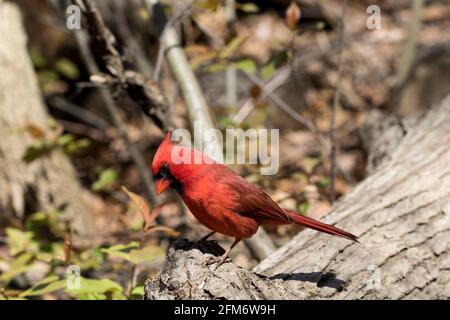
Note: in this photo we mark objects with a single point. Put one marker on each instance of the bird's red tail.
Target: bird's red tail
(319, 226)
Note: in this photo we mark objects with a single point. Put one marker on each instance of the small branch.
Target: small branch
(409, 53)
(185, 77)
(85, 115)
(307, 123)
(84, 130)
(231, 72)
(114, 112)
(337, 94)
(131, 43)
(145, 93)
(162, 24)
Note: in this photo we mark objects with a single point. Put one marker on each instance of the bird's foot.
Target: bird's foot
(219, 260)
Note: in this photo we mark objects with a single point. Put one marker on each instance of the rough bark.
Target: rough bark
(381, 134)
(401, 213)
(48, 183)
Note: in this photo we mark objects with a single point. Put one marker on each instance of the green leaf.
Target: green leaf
(92, 296)
(303, 207)
(320, 25)
(19, 265)
(202, 59)
(268, 70)
(248, 7)
(37, 149)
(22, 260)
(105, 181)
(146, 254)
(47, 285)
(277, 60)
(207, 4)
(121, 250)
(246, 65)
(76, 146)
(67, 68)
(96, 286)
(309, 164)
(231, 47)
(90, 259)
(41, 223)
(20, 241)
(324, 182)
(65, 139)
(226, 122)
(37, 58)
(7, 276)
(216, 67)
(11, 298)
(138, 291)
(48, 76)
(130, 252)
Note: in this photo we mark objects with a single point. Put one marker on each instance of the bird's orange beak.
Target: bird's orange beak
(161, 185)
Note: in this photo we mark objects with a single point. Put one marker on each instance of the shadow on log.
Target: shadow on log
(401, 213)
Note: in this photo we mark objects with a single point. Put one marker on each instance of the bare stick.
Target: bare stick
(307, 123)
(409, 53)
(114, 112)
(337, 94)
(167, 23)
(231, 72)
(145, 93)
(79, 112)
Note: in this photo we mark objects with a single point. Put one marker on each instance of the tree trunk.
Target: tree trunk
(48, 183)
(401, 213)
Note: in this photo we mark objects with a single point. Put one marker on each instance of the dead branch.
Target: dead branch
(144, 92)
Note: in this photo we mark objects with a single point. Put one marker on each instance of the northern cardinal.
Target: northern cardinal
(221, 199)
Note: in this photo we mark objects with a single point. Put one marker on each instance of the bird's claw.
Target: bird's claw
(219, 260)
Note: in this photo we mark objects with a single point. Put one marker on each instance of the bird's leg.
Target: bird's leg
(223, 257)
(207, 236)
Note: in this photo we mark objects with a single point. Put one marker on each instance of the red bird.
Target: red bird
(221, 199)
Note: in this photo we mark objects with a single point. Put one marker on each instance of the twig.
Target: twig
(409, 53)
(131, 43)
(83, 130)
(114, 112)
(308, 124)
(231, 72)
(146, 94)
(76, 111)
(337, 94)
(135, 269)
(163, 26)
(179, 64)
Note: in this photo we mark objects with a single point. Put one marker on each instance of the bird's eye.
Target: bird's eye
(163, 172)
(158, 175)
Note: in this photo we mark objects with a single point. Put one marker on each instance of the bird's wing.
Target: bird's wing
(254, 202)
